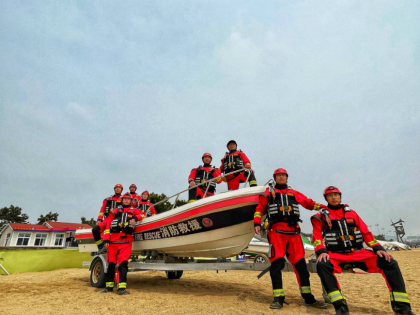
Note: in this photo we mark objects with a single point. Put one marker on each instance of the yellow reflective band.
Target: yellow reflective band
(106, 231)
(247, 164)
(98, 242)
(257, 214)
(373, 242)
(335, 296)
(278, 292)
(399, 297)
(317, 243)
(317, 206)
(122, 285)
(305, 289)
(110, 284)
(101, 213)
(253, 182)
(191, 201)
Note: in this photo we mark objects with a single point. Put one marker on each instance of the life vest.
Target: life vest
(283, 208)
(232, 162)
(111, 203)
(121, 221)
(201, 176)
(144, 207)
(341, 235)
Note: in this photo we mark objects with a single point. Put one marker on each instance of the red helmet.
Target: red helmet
(133, 185)
(331, 189)
(145, 192)
(280, 171)
(231, 141)
(119, 185)
(127, 195)
(207, 154)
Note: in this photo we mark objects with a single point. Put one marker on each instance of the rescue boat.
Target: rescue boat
(218, 226)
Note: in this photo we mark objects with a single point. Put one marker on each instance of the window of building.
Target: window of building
(59, 239)
(40, 239)
(23, 239)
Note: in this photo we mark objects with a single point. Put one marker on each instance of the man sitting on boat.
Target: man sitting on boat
(235, 160)
(281, 204)
(108, 205)
(118, 237)
(145, 206)
(339, 234)
(201, 174)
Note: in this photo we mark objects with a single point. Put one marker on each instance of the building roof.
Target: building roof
(67, 226)
(29, 227)
(49, 226)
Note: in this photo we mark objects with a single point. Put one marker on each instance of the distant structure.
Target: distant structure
(399, 230)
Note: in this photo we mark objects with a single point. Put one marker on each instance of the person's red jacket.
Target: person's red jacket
(133, 213)
(300, 198)
(117, 198)
(215, 174)
(242, 156)
(318, 223)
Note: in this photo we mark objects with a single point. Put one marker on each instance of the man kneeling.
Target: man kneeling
(338, 235)
(118, 238)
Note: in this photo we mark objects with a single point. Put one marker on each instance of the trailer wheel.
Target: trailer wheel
(97, 274)
(174, 274)
(261, 259)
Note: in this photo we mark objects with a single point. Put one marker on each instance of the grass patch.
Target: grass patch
(41, 260)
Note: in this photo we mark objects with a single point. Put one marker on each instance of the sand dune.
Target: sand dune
(67, 291)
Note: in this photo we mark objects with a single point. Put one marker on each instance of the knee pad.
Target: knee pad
(322, 265)
(301, 265)
(123, 265)
(382, 263)
(96, 228)
(278, 264)
(111, 266)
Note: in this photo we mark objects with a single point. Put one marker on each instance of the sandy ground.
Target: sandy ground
(67, 291)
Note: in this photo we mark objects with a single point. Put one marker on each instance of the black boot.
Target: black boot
(317, 304)
(107, 290)
(277, 303)
(122, 292)
(409, 313)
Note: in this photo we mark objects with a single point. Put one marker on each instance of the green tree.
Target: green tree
(12, 214)
(91, 222)
(48, 217)
(164, 206)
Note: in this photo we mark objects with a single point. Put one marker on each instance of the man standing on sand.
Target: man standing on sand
(338, 234)
(281, 204)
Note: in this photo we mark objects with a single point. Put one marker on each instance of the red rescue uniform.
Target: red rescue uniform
(235, 160)
(145, 206)
(107, 205)
(281, 205)
(119, 234)
(340, 232)
(135, 199)
(202, 174)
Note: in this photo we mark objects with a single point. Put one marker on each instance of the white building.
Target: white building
(50, 234)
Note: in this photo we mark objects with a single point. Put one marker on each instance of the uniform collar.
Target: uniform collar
(335, 207)
(284, 186)
(232, 151)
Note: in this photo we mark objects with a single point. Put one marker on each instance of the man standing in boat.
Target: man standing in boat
(136, 196)
(107, 205)
(281, 204)
(145, 205)
(339, 234)
(235, 160)
(201, 174)
(118, 237)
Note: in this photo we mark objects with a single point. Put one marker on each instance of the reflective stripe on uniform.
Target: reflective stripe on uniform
(247, 164)
(253, 182)
(372, 242)
(101, 213)
(106, 231)
(317, 243)
(110, 284)
(122, 285)
(335, 296)
(257, 214)
(278, 292)
(305, 289)
(399, 297)
(191, 200)
(98, 242)
(317, 206)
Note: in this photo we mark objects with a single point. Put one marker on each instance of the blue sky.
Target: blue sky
(98, 93)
